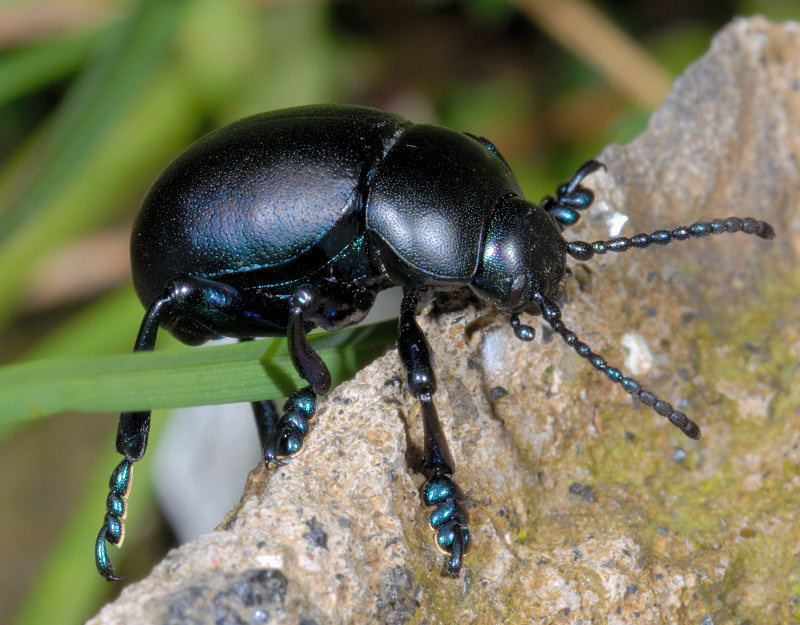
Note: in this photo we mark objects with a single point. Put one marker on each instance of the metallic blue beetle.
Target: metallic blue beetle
(296, 218)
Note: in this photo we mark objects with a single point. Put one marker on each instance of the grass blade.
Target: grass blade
(177, 377)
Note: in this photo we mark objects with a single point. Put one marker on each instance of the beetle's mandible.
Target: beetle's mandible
(298, 218)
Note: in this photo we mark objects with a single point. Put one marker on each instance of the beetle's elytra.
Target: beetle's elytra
(298, 218)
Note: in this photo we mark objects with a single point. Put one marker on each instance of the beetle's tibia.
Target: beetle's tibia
(266, 418)
(552, 314)
(307, 362)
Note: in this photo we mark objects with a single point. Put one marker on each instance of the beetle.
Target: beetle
(297, 218)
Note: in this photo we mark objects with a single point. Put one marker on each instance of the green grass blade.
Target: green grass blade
(177, 377)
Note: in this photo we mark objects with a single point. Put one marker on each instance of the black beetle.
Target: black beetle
(298, 217)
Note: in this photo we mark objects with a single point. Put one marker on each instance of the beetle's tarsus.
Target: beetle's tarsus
(113, 528)
(523, 332)
(450, 519)
(292, 428)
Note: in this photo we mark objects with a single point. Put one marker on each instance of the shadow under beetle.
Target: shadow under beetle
(297, 218)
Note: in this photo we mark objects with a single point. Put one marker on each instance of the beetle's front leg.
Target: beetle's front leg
(450, 518)
(292, 428)
(571, 197)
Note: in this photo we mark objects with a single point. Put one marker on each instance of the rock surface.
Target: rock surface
(584, 507)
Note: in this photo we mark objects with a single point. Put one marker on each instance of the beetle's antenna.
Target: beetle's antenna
(582, 250)
(552, 314)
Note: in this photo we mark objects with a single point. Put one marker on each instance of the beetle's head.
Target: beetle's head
(523, 268)
(523, 255)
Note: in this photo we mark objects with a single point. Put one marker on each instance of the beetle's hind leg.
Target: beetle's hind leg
(292, 428)
(450, 518)
(184, 299)
(131, 443)
(571, 197)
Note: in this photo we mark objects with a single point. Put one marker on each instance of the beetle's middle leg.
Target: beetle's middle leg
(292, 428)
(450, 518)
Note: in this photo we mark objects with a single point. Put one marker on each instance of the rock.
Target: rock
(584, 506)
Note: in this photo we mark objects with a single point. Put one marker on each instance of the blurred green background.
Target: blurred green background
(97, 96)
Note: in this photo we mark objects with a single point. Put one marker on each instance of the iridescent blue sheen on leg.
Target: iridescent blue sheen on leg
(293, 427)
(113, 530)
(450, 519)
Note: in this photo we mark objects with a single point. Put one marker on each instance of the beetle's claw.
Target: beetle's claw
(102, 560)
(272, 450)
(271, 457)
(458, 547)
